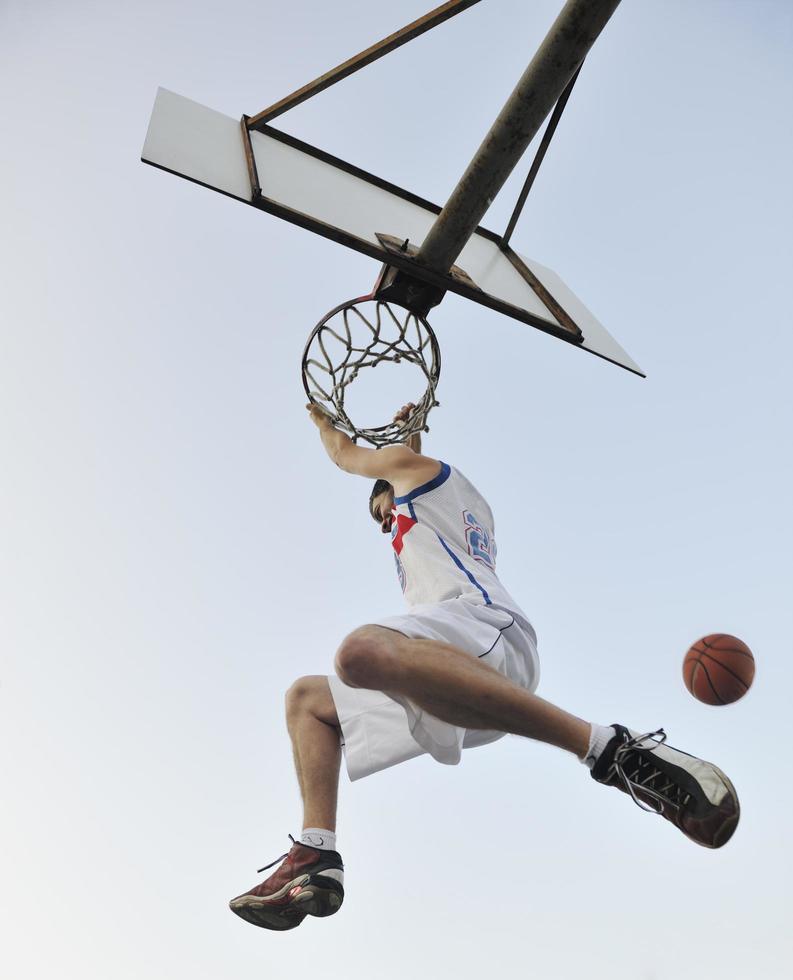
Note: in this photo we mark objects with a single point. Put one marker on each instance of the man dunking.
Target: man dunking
(458, 670)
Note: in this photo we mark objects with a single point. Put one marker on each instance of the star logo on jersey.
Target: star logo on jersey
(399, 529)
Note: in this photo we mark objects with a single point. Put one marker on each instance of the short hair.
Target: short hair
(380, 486)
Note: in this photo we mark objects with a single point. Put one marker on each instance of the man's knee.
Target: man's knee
(364, 657)
(309, 694)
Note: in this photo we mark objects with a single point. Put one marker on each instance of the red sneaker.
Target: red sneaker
(309, 882)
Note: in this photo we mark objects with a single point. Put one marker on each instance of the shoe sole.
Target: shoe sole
(727, 829)
(314, 895)
(320, 896)
(279, 920)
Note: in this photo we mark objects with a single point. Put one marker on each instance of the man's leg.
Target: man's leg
(455, 687)
(310, 880)
(313, 726)
(459, 689)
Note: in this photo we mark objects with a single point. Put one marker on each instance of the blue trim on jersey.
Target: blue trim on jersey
(459, 564)
(442, 477)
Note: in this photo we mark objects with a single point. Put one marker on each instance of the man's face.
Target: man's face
(382, 509)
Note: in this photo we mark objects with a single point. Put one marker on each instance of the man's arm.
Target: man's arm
(415, 440)
(398, 464)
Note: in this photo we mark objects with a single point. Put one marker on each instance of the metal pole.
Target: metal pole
(572, 35)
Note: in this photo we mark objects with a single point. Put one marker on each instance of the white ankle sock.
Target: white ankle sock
(325, 840)
(599, 738)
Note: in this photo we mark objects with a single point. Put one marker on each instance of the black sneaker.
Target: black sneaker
(692, 794)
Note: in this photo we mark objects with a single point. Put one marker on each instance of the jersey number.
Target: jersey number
(480, 545)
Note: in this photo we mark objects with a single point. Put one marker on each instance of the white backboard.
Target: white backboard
(339, 201)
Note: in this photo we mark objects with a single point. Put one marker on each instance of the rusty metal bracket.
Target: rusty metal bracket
(250, 160)
(403, 247)
(398, 286)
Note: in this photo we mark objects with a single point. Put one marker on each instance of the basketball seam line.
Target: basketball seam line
(710, 682)
(709, 646)
(724, 667)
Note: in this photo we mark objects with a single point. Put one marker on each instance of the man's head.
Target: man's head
(381, 503)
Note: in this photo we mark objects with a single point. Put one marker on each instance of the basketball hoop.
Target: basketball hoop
(363, 333)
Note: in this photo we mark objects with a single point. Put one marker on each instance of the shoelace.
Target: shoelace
(259, 870)
(645, 773)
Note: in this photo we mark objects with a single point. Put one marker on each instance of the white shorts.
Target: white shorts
(378, 731)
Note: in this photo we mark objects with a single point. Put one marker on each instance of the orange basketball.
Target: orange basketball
(718, 669)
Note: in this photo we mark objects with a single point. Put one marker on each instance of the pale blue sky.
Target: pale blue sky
(176, 548)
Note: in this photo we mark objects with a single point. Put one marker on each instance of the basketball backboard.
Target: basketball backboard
(301, 184)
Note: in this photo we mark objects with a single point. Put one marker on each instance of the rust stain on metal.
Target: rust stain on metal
(250, 160)
(545, 297)
(403, 246)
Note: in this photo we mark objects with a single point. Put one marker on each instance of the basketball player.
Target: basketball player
(459, 669)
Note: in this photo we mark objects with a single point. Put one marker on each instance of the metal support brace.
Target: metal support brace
(384, 47)
(547, 136)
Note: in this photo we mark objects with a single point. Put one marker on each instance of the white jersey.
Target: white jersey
(445, 545)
